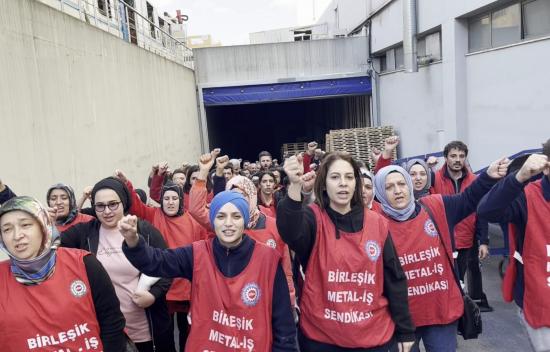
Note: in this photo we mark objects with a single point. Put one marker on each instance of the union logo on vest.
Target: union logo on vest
(271, 243)
(78, 288)
(429, 228)
(373, 250)
(250, 294)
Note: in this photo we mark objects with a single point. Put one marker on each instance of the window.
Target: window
(429, 46)
(479, 34)
(536, 16)
(300, 35)
(383, 65)
(508, 25)
(151, 18)
(399, 58)
(104, 7)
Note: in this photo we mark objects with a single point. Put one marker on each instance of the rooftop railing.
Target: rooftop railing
(126, 22)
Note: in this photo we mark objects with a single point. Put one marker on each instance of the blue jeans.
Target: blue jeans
(436, 338)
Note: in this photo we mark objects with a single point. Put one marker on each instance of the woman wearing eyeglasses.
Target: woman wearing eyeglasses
(145, 309)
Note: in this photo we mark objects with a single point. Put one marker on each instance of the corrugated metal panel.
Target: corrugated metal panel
(281, 62)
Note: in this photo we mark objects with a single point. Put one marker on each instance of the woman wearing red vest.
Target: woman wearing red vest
(267, 201)
(52, 298)
(260, 227)
(355, 293)
(240, 299)
(421, 176)
(527, 206)
(63, 209)
(435, 299)
(179, 229)
(368, 191)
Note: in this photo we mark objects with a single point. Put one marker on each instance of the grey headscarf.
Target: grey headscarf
(426, 190)
(380, 187)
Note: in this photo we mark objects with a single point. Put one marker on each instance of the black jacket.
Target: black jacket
(86, 236)
(6, 195)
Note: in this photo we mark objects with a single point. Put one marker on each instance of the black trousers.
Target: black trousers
(468, 265)
(183, 329)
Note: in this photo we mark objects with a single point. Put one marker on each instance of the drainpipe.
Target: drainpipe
(409, 36)
(375, 95)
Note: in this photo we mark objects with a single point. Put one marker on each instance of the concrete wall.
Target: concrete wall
(400, 95)
(76, 103)
(313, 59)
(508, 105)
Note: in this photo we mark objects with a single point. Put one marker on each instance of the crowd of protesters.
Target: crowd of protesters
(320, 253)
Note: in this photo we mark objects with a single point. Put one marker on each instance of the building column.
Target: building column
(453, 123)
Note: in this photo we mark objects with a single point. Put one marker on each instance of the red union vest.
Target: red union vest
(511, 273)
(268, 211)
(58, 314)
(231, 314)
(434, 297)
(342, 302)
(464, 230)
(536, 258)
(270, 237)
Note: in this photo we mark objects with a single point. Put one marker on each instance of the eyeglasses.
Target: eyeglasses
(99, 208)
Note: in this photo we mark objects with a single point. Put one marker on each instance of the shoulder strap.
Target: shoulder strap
(451, 261)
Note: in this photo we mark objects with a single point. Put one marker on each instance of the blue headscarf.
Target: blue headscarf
(380, 186)
(232, 197)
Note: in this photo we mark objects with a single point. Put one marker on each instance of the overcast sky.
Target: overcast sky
(230, 21)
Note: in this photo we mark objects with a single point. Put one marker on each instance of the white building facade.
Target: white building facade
(482, 75)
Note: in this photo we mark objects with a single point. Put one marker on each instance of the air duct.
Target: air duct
(409, 36)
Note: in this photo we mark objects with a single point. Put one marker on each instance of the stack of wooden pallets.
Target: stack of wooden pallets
(359, 142)
(289, 149)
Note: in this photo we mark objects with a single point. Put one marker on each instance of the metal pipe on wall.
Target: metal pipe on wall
(409, 36)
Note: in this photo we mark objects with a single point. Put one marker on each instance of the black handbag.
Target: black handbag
(130, 345)
(469, 325)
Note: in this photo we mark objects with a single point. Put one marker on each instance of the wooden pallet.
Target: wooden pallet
(289, 149)
(359, 142)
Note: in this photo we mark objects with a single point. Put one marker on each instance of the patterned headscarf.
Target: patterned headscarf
(36, 270)
(73, 210)
(250, 193)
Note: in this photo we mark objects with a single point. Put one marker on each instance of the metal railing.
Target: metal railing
(125, 21)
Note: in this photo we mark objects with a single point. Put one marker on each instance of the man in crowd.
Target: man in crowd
(265, 160)
(228, 172)
(526, 205)
(471, 235)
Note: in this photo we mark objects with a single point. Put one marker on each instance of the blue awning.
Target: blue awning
(265, 93)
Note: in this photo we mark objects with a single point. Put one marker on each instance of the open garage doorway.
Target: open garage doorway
(242, 131)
